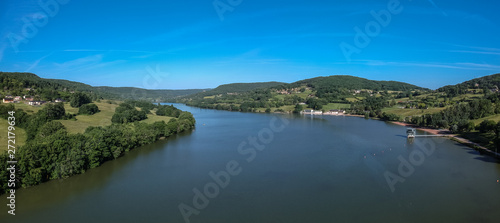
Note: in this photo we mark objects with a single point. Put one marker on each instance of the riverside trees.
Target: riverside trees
(52, 153)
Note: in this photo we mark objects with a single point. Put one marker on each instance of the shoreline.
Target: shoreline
(454, 137)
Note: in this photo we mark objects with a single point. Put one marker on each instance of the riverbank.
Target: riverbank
(426, 129)
(454, 137)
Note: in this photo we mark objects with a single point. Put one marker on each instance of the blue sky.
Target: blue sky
(190, 44)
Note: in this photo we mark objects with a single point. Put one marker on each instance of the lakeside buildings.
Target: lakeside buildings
(319, 112)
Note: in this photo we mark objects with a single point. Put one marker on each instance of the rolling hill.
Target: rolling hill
(352, 83)
(486, 82)
(17, 82)
(236, 88)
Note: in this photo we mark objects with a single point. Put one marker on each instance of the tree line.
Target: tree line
(52, 153)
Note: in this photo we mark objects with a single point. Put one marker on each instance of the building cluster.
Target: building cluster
(291, 90)
(319, 112)
(26, 99)
(355, 92)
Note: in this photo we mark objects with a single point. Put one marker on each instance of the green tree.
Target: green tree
(78, 99)
(50, 128)
(298, 108)
(54, 111)
(487, 125)
(88, 109)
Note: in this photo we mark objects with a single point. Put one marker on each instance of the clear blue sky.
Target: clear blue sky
(188, 44)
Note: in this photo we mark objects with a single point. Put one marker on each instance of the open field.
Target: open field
(411, 112)
(155, 118)
(331, 106)
(102, 118)
(352, 99)
(28, 108)
(468, 97)
(20, 135)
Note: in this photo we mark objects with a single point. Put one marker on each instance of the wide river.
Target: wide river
(246, 167)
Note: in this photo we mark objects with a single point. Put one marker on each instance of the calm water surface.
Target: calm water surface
(326, 169)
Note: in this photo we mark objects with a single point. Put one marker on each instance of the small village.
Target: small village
(29, 100)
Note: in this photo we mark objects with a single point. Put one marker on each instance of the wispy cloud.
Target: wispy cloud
(77, 64)
(96, 50)
(80, 61)
(37, 62)
(464, 66)
(435, 6)
(475, 52)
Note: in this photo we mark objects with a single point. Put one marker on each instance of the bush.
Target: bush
(88, 109)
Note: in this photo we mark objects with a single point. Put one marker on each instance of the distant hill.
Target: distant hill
(139, 93)
(353, 83)
(237, 88)
(15, 83)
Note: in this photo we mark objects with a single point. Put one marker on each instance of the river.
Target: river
(276, 168)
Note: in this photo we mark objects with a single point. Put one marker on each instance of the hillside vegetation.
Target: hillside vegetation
(235, 88)
(320, 93)
(13, 83)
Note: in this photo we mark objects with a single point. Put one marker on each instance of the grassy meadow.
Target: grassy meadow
(20, 135)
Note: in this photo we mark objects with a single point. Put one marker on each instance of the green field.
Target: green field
(28, 108)
(20, 135)
(468, 97)
(352, 99)
(155, 118)
(102, 118)
(405, 112)
(331, 106)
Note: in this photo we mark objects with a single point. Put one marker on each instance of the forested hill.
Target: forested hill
(238, 88)
(15, 80)
(139, 93)
(490, 82)
(49, 89)
(352, 83)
